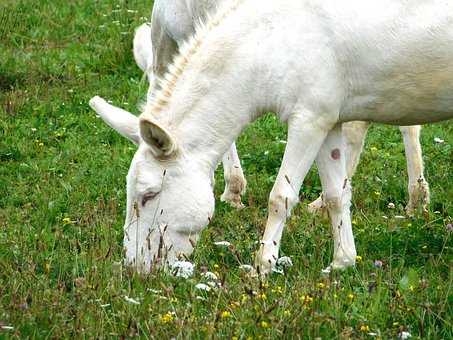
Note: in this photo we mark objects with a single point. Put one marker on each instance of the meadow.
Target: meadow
(62, 207)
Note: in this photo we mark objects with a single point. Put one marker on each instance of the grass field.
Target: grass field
(62, 206)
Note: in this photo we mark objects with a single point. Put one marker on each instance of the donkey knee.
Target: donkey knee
(281, 204)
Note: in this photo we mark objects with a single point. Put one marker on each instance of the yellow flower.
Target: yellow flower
(411, 288)
(358, 258)
(244, 298)
(277, 290)
(66, 221)
(321, 285)
(377, 193)
(351, 296)
(234, 338)
(216, 266)
(364, 328)
(354, 222)
(262, 296)
(225, 314)
(373, 149)
(287, 313)
(306, 299)
(41, 144)
(234, 304)
(166, 318)
(264, 324)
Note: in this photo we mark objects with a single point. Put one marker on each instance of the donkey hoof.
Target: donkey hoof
(233, 200)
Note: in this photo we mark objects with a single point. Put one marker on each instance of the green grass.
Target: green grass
(62, 203)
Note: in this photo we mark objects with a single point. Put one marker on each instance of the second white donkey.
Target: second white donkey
(173, 22)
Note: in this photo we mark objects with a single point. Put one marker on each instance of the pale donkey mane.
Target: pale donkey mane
(167, 84)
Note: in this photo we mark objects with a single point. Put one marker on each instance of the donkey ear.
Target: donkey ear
(125, 123)
(157, 137)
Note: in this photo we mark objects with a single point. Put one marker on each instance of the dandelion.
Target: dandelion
(364, 328)
(358, 258)
(66, 221)
(225, 314)
(351, 296)
(264, 324)
(262, 296)
(167, 317)
(131, 300)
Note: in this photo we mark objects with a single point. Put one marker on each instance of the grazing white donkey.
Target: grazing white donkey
(389, 61)
(174, 21)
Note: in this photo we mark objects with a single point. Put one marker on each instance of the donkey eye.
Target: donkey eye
(148, 196)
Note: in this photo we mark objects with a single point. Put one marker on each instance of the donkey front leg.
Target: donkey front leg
(331, 161)
(305, 136)
(354, 134)
(418, 187)
(235, 182)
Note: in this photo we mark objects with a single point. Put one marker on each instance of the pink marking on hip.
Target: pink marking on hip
(335, 154)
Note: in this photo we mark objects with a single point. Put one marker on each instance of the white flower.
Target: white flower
(213, 284)
(438, 140)
(7, 328)
(222, 244)
(182, 269)
(203, 286)
(246, 267)
(391, 205)
(281, 264)
(399, 217)
(326, 271)
(105, 305)
(404, 335)
(285, 262)
(154, 291)
(210, 276)
(131, 300)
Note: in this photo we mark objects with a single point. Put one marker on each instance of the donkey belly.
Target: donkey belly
(417, 90)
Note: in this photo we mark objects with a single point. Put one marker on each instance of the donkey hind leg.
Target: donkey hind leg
(354, 134)
(331, 163)
(305, 136)
(418, 187)
(235, 182)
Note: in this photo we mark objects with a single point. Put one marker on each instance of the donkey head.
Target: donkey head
(169, 195)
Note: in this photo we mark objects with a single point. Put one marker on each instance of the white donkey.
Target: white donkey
(173, 22)
(388, 62)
